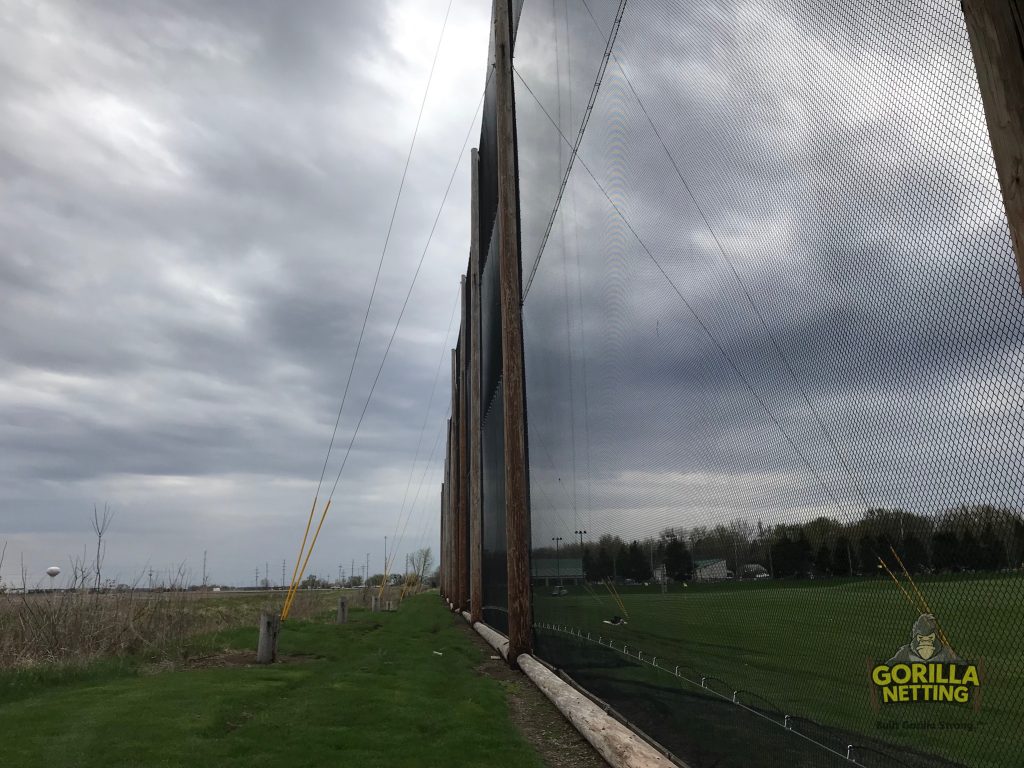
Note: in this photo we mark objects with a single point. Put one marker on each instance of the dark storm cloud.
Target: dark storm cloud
(195, 199)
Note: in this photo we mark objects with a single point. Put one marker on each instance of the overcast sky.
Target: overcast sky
(788, 288)
(818, 313)
(193, 200)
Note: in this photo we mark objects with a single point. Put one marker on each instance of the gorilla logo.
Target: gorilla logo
(925, 644)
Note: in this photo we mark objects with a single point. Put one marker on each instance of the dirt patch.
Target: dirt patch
(239, 659)
(537, 719)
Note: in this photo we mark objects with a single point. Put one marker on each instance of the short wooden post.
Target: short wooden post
(476, 582)
(375, 604)
(270, 628)
(517, 491)
(342, 611)
(996, 29)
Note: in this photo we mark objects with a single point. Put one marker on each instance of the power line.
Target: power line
(700, 321)
(574, 147)
(426, 417)
(408, 294)
(387, 240)
(373, 293)
(387, 349)
(437, 441)
(426, 518)
(829, 438)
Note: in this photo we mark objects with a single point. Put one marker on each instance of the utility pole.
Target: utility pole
(385, 556)
(558, 562)
(517, 491)
(282, 574)
(475, 455)
(257, 577)
(204, 569)
(352, 570)
(339, 574)
(583, 554)
(366, 573)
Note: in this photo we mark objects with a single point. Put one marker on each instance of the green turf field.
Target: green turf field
(370, 693)
(803, 648)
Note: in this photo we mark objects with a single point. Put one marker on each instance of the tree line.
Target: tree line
(965, 539)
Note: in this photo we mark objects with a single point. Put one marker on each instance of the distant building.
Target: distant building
(710, 570)
(547, 571)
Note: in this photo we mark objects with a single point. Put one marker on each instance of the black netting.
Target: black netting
(488, 185)
(495, 570)
(773, 338)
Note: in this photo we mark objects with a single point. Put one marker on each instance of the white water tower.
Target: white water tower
(53, 572)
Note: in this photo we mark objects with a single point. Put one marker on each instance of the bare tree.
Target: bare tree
(100, 524)
(422, 562)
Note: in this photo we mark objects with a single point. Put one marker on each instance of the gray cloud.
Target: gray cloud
(195, 198)
(859, 209)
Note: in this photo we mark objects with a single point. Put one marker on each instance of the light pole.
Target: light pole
(558, 562)
(583, 553)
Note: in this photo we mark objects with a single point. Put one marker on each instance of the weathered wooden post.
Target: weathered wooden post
(342, 611)
(375, 604)
(517, 491)
(456, 502)
(464, 419)
(270, 628)
(996, 29)
(476, 582)
(442, 555)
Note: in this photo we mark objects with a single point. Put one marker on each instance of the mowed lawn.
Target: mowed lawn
(803, 648)
(370, 693)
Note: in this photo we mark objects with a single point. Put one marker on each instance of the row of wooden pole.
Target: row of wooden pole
(461, 496)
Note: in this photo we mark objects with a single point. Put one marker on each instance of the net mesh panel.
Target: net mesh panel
(466, 409)
(773, 339)
(492, 477)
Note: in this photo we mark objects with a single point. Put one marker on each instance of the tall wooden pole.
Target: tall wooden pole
(448, 514)
(463, 438)
(456, 484)
(996, 31)
(517, 495)
(442, 560)
(476, 582)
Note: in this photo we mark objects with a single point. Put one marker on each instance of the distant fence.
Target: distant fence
(773, 352)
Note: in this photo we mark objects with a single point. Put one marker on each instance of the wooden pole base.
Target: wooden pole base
(342, 611)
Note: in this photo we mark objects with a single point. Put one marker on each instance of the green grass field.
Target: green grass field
(370, 693)
(805, 648)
